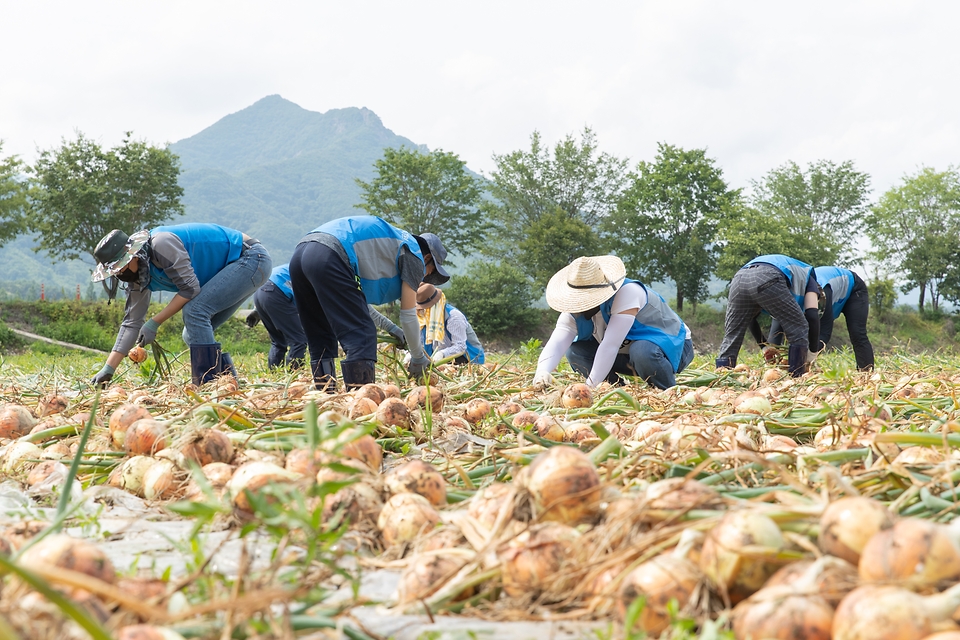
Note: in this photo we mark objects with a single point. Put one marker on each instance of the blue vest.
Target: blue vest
(373, 249)
(797, 272)
(210, 247)
(656, 322)
(841, 285)
(280, 276)
(474, 349)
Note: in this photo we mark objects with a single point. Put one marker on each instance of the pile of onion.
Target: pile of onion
(848, 524)
(565, 486)
(891, 613)
(405, 516)
(914, 552)
(417, 476)
(729, 556)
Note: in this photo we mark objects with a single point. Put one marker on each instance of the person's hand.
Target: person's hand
(253, 319)
(542, 380)
(418, 368)
(148, 333)
(770, 354)
(437, 356)
(103, 376)
(812, 357)
(402, 339)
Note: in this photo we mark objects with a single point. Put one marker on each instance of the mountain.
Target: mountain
(273, 170)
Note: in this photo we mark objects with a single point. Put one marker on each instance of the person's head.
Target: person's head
(585, 284)
(427, 296)
(115, 255)
(434, 256)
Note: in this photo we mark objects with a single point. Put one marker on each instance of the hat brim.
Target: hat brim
(431, 302)
(105, 270)
(565, 299)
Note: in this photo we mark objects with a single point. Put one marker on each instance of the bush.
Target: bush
(8, 339)
(495, 298)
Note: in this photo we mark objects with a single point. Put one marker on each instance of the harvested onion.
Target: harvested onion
(892, 613)
(145, 437)
(914, 552)
(138, 354)
(533, 561)
(121, 419)
(253, 476)
(392, 412)
(206, 446)
(426, 573)
(428, 398)
(477, 409)
(60, 550)
(577, 396)
(730, 552)
(405, 516)
(848, 524)
(564, 485)
(15, 421)
(417, 476)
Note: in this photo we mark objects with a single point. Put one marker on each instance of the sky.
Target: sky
(757, 84)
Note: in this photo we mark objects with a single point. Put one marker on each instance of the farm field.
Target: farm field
(733, 503)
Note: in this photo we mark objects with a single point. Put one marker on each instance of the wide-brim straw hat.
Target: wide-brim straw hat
(115, 252)
(427, 296)
(585, 283)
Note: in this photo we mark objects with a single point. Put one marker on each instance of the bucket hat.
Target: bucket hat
(585, 283)
(427, 296)
(115, 251)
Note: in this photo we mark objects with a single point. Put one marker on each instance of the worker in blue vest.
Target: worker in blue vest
(611, 325)
(340, 268)
(844, 292)
(211, 270)
(787, 289)
(445, 331)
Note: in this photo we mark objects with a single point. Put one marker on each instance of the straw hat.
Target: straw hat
(585, 283)
(427, 296)
(115, 251)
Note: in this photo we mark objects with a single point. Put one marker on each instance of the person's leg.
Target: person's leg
(286, 318)
(262, 302)
(306, 277)
(741, 310)
(581, 355)
(220, 298)
(856, 311)
(686, 356)
(652, 364)
(776, 334)
(778, 300)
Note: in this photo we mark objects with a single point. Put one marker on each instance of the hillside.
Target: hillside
(273, 170)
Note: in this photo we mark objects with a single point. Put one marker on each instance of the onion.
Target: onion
(121, 419)
(60, 550)
(392, 412)
(358, 504)
(548, 428)
(362, 407)
(425, 397)
(50, 405)
(533, 561)
(487, 503)
(419, 477)
(564, 485)
(665, 578)
(371, 391)
(218, 474)
(783, 613)
(676, 494)
(848, 523)
(579, 432)
(15, 421)
(426, 573)
(443, 537)
(577, 396)
(145, 437)
(772, 375)
(725, 558)
(454, 424)
(163, 481)
(404, 516)
(253, 476)
(19, 457)
(147, 632)
(138, 354)
(509, 408)
(391, 391)
(303, 462)
(366, 449)
(477, 409)
(525, 418)
(46, 469)
(752, 402)
(326, 474)
(207, 445)
(129, 474)
(914, 552)
(891, 613)
(829, 577)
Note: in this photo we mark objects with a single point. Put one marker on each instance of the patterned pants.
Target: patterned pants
(761, 287)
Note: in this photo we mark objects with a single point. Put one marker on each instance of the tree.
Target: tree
(666, 223)
(574, 181)
(915, 227)
(421, 192)
(552, 242)
(14, 200)
(84, 192)
(812, 215)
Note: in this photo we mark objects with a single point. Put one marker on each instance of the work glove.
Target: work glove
(103, 376)
(253, 319)
(812, 357)
(397, 333)
(148, 333)
(418, 368)
(542, 380)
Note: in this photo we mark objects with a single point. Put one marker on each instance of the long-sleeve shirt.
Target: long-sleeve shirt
(457, 333)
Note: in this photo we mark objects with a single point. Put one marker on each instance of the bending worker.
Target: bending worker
(611, 325)
(785, 288)
(342, 266)
(444, 329)
(844, 292)
(211, 269)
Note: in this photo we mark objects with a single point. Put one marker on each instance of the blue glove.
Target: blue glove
(148, 332)
(418, 368)
(397, 333)
(103, 376)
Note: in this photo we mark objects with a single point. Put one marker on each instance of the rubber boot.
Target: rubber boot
(205, 362)
(358, 373)
(226, 364)
(797, 360)
(727, 362)
(325, 374)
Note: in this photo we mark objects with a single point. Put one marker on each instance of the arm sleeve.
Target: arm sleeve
(813, 320)
(134, 313)
(411, 330)
(617, 330)
(457, 328)
(560, 340)
(826, 320)
(383, 322)
(755, 330)
(170, 255)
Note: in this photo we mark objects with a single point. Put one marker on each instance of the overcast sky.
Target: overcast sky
(755, 83)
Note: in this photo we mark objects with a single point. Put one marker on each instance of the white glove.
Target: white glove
(406, 359)
(542, 380)
(436, 357)
(812, 356)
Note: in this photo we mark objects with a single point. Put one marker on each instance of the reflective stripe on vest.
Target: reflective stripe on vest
(840, 282)
(797, 272)
(210, 247)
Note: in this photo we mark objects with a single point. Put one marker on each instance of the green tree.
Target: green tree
(665, 226)
(812, 215)
(421, 192)
(915, 227)
(574, 180)
(494, 297)
(552, 242)
(83, 192)
(14, 197)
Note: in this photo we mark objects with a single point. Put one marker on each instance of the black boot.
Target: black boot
(226, 364)
(727, 362)
(325, 374)
(205, 362)
(358, 373)
(797, 360)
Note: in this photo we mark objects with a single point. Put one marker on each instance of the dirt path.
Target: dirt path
(33, 336)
